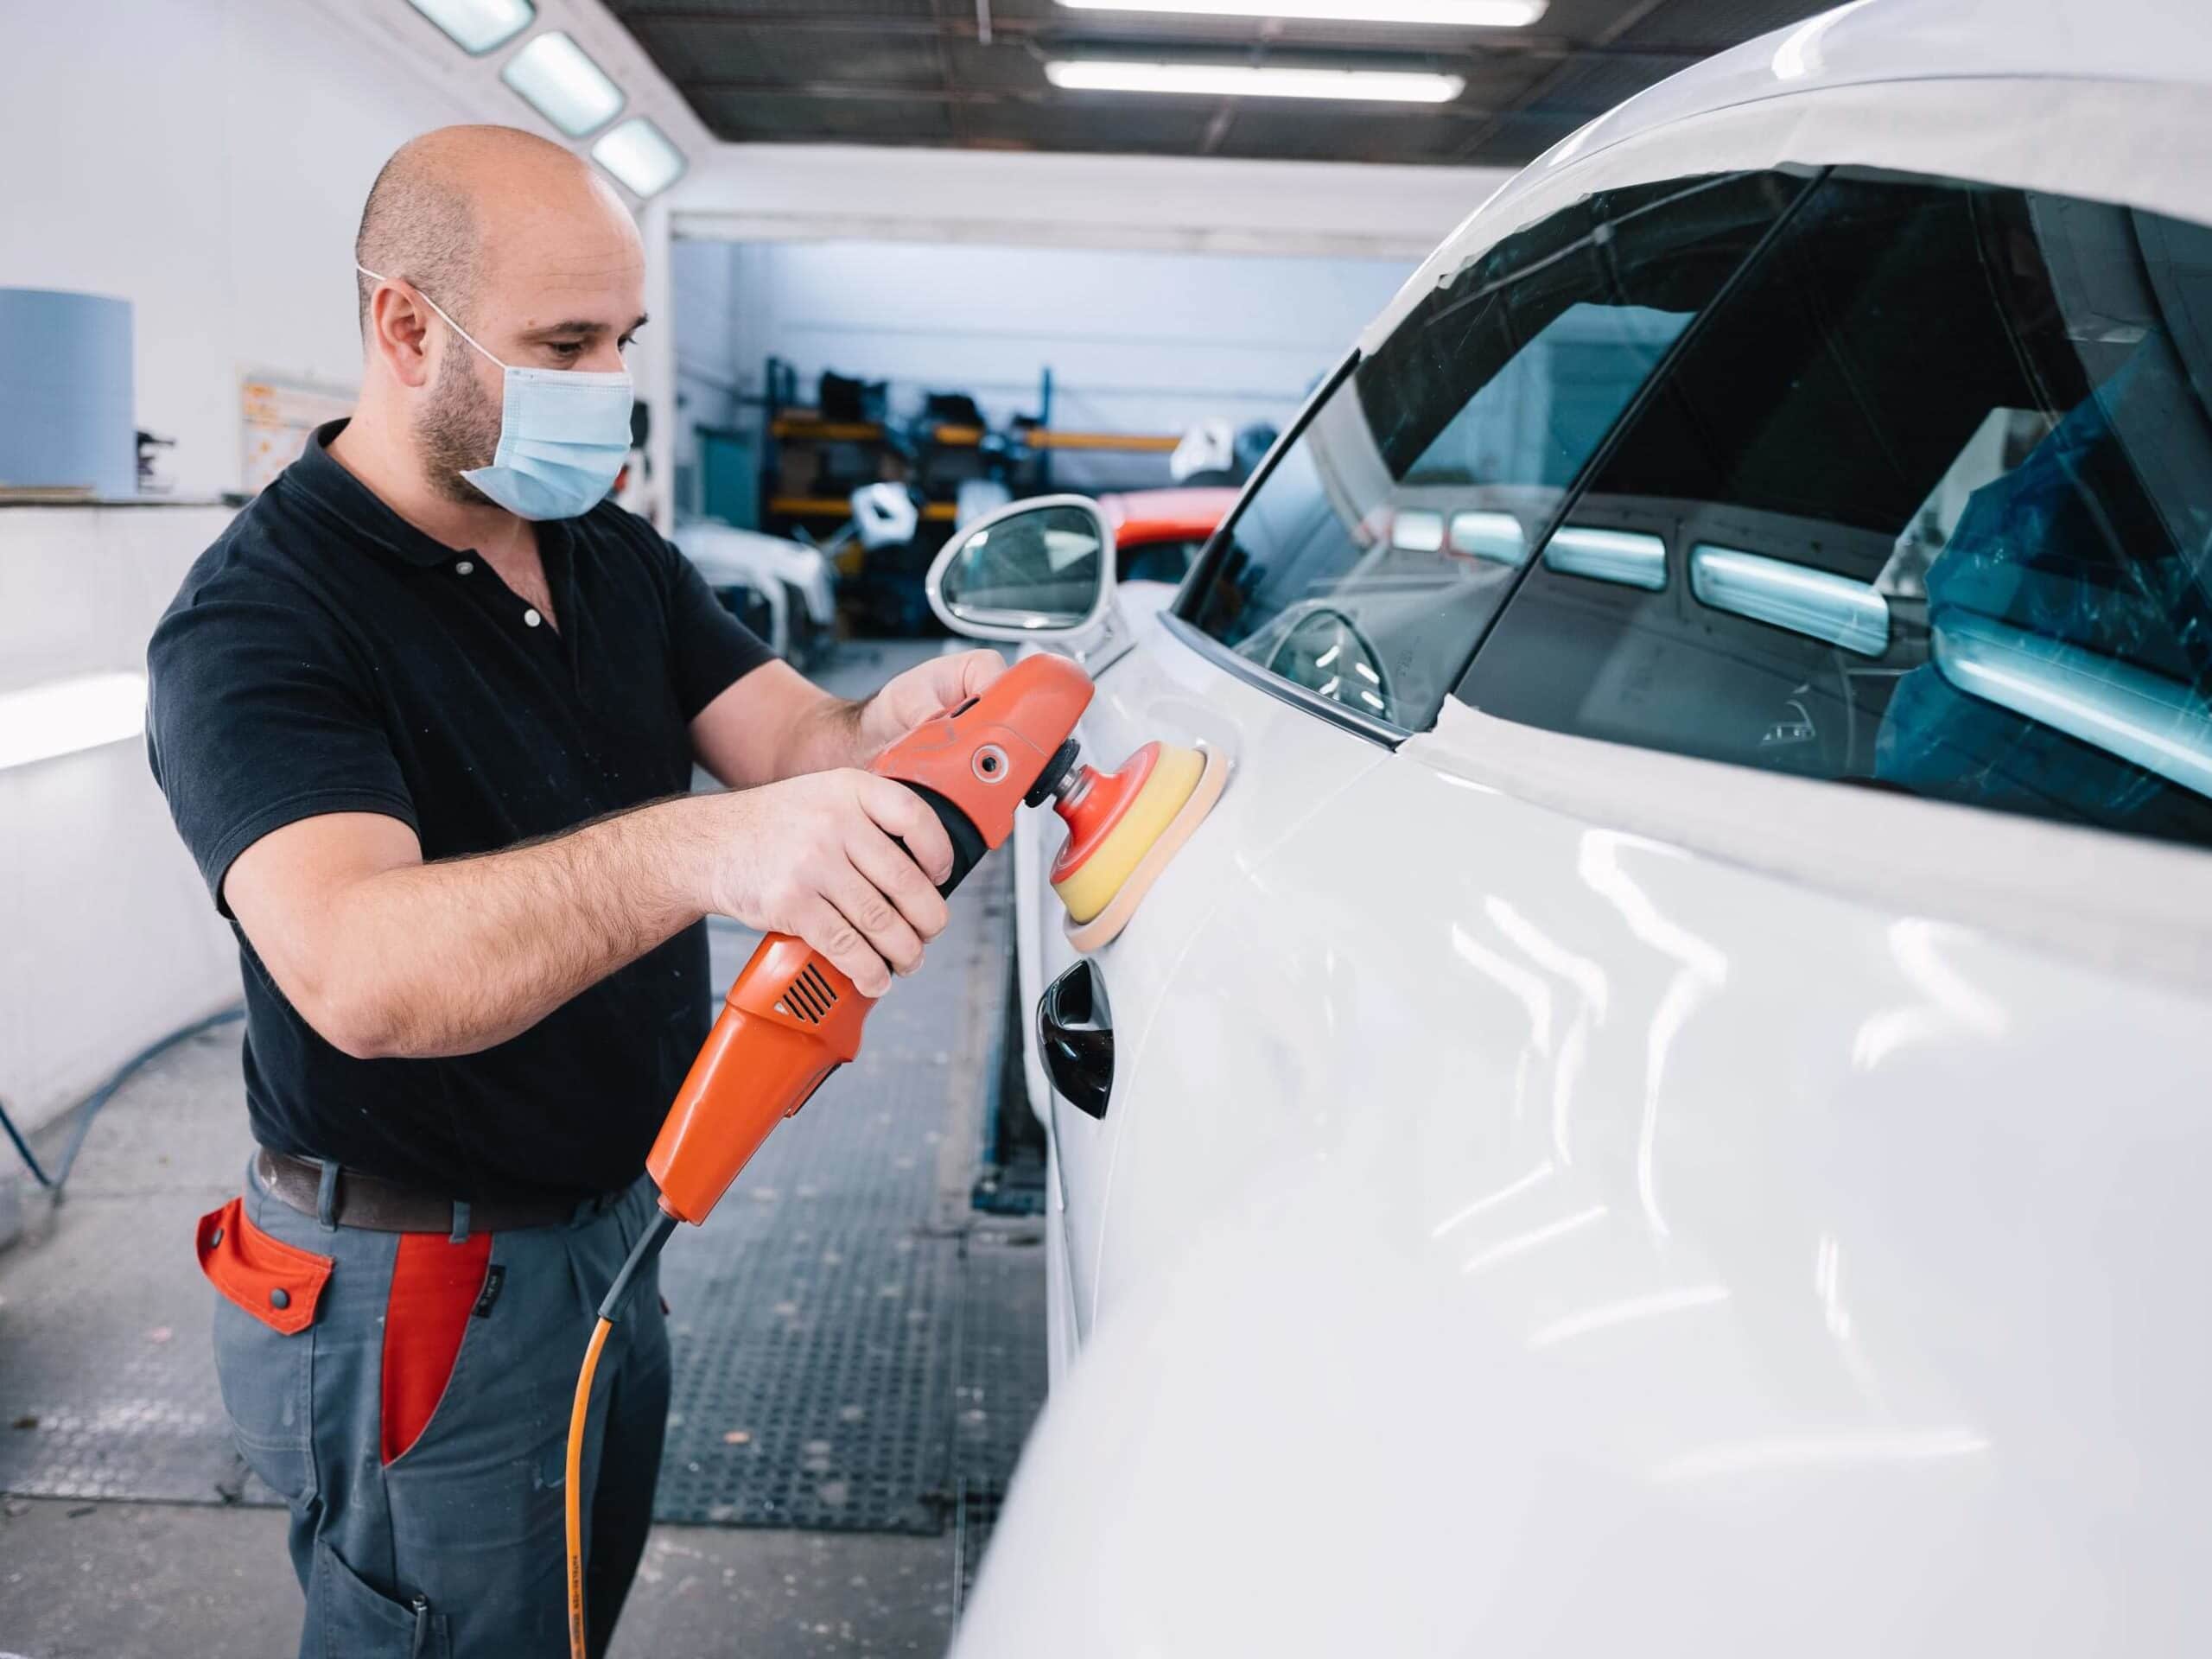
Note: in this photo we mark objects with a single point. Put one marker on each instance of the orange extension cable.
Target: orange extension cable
(578, 1414)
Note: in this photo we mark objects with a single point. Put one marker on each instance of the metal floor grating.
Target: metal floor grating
(107, 1380)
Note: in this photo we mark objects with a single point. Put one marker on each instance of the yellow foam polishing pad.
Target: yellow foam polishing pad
(1090, 886)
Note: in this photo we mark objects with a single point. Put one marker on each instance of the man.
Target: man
(426, 715)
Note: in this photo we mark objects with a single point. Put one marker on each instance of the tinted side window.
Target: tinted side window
(1369, 560)
(1925, 504)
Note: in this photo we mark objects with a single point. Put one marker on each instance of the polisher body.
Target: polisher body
(791, 1018)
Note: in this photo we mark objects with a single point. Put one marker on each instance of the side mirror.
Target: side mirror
(1036, 570)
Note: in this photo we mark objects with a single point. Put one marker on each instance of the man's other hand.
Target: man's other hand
(921, 694)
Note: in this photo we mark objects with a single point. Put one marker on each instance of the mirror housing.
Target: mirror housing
(1041, 569)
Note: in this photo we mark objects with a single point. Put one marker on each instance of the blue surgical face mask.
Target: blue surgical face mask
(563, 436)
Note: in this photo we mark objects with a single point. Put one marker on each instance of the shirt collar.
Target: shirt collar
(324, 480)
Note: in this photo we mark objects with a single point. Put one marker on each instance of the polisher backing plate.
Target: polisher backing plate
(1101, 930)
(1151, 789)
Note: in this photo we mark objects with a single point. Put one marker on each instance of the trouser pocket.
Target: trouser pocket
(349, 1618)
(270, 1291)
(277, 1283)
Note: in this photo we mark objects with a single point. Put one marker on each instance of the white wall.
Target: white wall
(107, 939)
(1197, 205)
(1137, 341)
(206, 160)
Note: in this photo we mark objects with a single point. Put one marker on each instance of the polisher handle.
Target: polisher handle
(790, 1019)
(968, 843)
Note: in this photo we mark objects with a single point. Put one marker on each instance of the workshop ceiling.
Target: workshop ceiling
(971, 74)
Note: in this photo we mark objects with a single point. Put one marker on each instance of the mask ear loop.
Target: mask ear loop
(432, 303)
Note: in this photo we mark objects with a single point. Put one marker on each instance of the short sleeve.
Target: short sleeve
(713, 650)
(256, 719)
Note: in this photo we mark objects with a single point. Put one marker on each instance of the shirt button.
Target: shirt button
(464, 567)
(531, 618)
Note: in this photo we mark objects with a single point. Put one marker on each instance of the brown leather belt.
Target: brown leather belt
(381, 1206)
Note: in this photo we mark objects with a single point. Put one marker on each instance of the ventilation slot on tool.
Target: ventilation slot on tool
(809, 996)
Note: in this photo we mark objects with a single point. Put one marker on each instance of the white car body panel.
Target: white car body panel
(770, 563)
(1567, 1200)
(1550, 1252)
(1160, 690)
(2105, 102)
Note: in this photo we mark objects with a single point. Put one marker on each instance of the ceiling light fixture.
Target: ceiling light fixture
(478, 26)
(640, 154)
(1240, 80)
(1443, 14)
(560, 82)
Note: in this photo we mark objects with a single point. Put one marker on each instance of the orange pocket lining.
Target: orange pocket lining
(435, 1286)
(256, 1272)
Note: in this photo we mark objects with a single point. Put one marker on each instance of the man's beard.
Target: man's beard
(458, 431)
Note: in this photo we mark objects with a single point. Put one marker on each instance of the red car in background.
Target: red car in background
(1158, 532)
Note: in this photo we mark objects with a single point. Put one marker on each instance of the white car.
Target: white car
(1668, 1109)
(797, 583)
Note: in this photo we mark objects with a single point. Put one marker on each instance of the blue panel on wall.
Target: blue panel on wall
(66, 413)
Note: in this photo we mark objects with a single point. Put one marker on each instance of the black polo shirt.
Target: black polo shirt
(324, 656)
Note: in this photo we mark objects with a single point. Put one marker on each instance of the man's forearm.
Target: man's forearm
(458, 956)
(827, 736)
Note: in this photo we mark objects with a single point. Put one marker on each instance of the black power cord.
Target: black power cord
(100, 1096)
(648, 1246)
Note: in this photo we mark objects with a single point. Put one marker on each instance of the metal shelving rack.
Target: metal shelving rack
(1024, 449)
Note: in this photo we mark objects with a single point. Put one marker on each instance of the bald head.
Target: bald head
(509, 238)
(446, 204)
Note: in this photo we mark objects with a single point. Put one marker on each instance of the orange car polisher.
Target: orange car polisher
(791, 1018)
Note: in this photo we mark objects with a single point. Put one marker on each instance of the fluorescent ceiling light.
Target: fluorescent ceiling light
(1238, 80)
(1817, 603)
(1417, 530)
(62, 716)
(1627, 557)
(640, 154)
(563, 85)
(1447, 14)
(477, 26)
(2159, 724)
(1497, 536)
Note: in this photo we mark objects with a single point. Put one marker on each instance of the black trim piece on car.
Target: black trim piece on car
(1280, 689)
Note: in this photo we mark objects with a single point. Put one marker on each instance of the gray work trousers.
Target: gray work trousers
(455, 1545)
